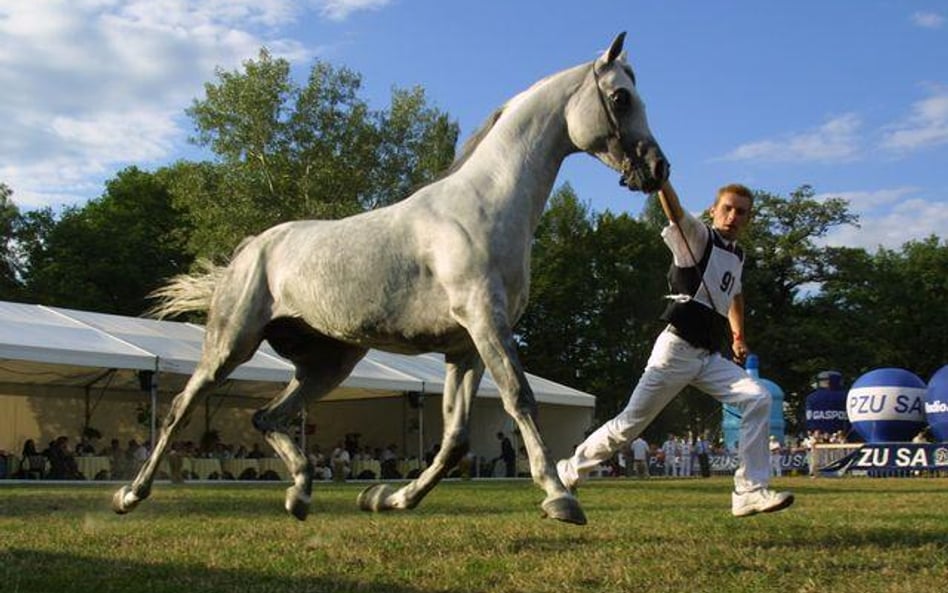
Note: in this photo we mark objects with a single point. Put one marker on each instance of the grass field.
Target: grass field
(843, 535)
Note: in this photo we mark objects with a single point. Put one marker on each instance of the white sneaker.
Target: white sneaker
(567, 474)
(763, 500)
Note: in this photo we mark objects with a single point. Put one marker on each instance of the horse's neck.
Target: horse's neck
(520, 157)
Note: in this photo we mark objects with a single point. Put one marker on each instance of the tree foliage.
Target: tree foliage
(596, 287)
(886, 309)
(109, 254)
(9, 216)
(289, 152)
(784, 263)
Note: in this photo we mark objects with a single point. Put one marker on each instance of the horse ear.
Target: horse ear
(615, 49)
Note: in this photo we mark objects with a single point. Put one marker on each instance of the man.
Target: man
(507, 455)
(684, 452)
(640, 457)
(775, 455)
(705, 278)
(670, 453)
(703, 450)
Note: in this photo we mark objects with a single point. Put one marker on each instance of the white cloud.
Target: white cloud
(89, 86)
(928, 20)
(925, 126)
(837, 140)
(889, 218)
(339, 10)
(870, 200)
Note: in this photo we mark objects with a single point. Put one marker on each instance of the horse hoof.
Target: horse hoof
(564, 508)
(119, 504)
(297, 503)
(373, 498)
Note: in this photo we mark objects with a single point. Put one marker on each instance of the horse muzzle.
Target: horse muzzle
(646, 169)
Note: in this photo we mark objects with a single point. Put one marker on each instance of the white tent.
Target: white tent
(48, 352)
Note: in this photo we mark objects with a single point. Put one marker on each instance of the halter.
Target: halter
(615, 133)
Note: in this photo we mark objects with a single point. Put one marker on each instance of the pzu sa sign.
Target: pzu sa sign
(900, 456)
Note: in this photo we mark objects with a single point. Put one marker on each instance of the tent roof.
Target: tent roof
(49, 350)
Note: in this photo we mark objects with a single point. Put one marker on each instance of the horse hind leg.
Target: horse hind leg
(463, 375)
(321, 365)
(231, 338)
(210, 372)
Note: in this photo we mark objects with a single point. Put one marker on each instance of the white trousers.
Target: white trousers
(673, 365)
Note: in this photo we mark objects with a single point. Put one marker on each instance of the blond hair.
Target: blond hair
(737, 189)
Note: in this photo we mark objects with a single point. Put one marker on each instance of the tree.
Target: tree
(783, 260)
(553, 329)
(110, 253)
(885, 310)
(289, 152)
(9, 217)
(596, 287)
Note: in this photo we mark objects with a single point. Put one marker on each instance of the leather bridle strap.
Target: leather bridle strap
(613, 122)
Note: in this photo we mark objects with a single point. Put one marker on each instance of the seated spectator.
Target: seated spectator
(388, 462)
(340, 462)
(135, 456)
(224, 451)
(255, 452)
(29, 449)
(32, 463)
(85, 447)
(116, 459)
(62, 462)
(321, 470)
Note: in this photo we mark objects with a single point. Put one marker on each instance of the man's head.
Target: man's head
(732, 210)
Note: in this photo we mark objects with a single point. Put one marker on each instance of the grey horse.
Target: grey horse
(445, 270)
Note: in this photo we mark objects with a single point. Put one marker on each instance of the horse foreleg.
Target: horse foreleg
(462, 376)
(272, 421)
(495, 343)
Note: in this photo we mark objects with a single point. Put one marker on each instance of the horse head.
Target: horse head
(607, 119)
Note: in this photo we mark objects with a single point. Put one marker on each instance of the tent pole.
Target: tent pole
(421, 434)
(154, 410)
(303, 430)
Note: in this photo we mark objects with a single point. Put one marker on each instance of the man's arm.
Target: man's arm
(735, 317)
(668, 198)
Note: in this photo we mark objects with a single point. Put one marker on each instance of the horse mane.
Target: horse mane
(471, 144)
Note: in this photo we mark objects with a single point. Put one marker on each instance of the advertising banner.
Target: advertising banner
(891, 457)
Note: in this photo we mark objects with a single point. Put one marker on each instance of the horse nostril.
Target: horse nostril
(660, 170)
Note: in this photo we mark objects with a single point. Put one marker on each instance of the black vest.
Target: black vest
(698, 311)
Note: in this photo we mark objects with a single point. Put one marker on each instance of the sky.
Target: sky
(847, 96)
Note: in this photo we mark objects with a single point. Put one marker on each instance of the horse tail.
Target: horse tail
(187, 292)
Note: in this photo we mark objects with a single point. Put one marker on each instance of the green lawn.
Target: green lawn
(845, 535)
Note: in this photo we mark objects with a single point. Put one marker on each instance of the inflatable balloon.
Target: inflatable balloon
(826, 407)
(731, 420)
(886, 405)
(936, 404)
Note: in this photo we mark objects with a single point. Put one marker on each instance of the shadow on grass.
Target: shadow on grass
(29, 571)
(865, 538)
(234, 501)
(209, 501)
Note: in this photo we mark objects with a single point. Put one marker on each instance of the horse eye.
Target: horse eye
(622, 99)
